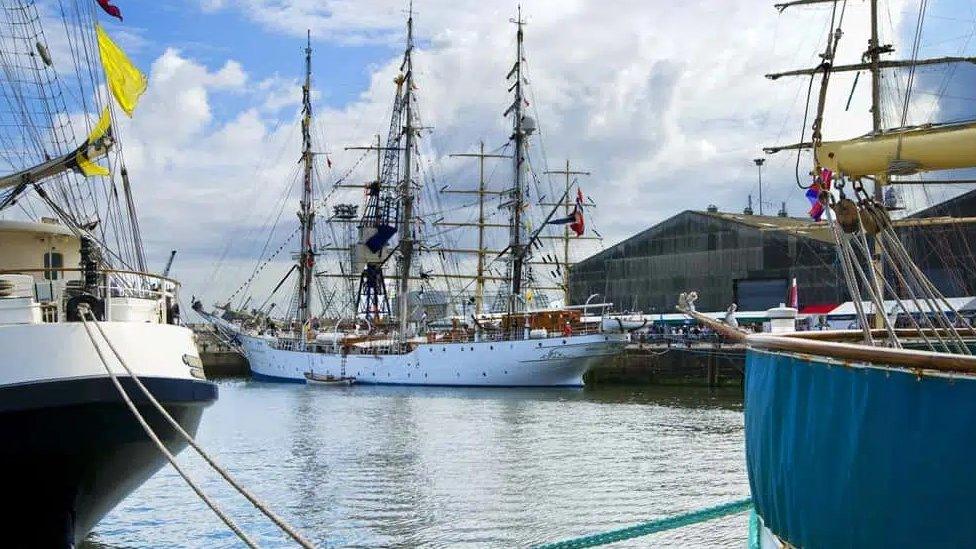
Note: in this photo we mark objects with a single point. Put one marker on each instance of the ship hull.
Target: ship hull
(551, 362)
(71, 448)
(843, 455)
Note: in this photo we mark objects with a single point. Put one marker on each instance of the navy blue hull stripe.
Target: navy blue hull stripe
(89, 390)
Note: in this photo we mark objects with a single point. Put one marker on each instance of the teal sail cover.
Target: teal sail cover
(860, 457)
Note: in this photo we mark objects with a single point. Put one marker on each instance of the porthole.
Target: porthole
(483, 374)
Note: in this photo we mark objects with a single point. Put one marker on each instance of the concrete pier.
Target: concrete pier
(219, 360)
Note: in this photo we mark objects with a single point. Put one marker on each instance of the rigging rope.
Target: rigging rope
(654, 526)
(258, 504)
(85, 312)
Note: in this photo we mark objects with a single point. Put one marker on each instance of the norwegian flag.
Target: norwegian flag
(578, 225)
(575, 219)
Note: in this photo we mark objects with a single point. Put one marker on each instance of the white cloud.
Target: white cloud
(666, 106)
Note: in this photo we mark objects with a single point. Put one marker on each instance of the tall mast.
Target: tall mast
(516, 246)
(406, 187)
(569, 203)
(874, 54)
(482, 192)
(479, 290)
(306, 214)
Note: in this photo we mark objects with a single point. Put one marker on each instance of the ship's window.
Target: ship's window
(53, 260)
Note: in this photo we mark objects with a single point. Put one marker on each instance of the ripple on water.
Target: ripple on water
(407, 467)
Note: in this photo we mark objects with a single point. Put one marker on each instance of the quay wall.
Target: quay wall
(673, 363)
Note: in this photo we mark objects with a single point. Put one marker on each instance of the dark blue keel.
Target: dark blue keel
(72, 451)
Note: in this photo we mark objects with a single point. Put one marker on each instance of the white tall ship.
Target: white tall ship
(70, 246)
(523, 346)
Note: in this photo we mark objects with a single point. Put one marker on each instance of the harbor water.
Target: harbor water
(427, 467)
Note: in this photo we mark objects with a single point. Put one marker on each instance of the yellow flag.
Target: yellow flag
(95, 146)
(529, 296)
(124, 79)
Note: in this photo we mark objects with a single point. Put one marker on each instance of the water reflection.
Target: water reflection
(403, 466)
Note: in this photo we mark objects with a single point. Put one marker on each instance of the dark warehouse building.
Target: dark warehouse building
(945, 251)
(750, 260)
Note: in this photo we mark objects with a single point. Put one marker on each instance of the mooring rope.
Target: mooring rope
(261, 506)
(654, 526)
(155, 438)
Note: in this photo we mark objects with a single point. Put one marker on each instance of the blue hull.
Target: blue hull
(274, 379)
(860, 457)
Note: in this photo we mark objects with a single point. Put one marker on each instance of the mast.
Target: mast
(874, 54)
(516, 246)
(566, 236)
(306, 214)
(479, 290)
(482, 252)
(406, 187)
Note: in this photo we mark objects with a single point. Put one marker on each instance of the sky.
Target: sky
(664, 102)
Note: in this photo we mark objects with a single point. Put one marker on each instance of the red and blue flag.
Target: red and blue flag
(822, 183)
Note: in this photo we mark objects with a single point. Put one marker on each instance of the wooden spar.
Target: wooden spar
(479, 291)
(488, 225)
(435, 275)
(868, 65)
(574, 238)
(858, 335)
(902, 152)
(78, 270)
(845, 352)
(735, 334)
(795, 146)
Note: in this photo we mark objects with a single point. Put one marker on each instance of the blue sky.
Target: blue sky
(211, 37)
(667, 107)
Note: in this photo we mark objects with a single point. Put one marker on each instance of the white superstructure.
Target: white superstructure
(544, 362)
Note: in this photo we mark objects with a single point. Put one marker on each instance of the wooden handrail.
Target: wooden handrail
(901, 358)
(78, 270)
